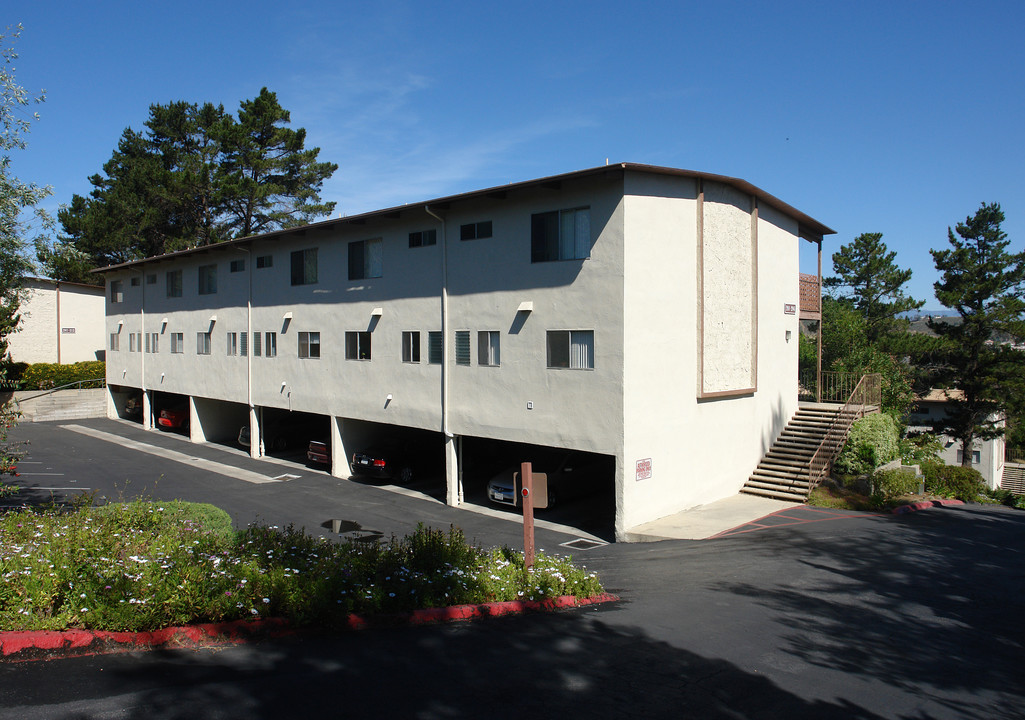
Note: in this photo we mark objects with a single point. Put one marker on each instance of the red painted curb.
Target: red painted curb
(924, 505)
(46, 644)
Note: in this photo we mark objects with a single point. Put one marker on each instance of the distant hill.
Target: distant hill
(921, 324)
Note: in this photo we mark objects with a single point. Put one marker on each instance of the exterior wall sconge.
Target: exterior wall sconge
(788, 336)
(526, 306)
(119, 324)
(287, 316)
(213, 319)
(163, 325)
(377, 312)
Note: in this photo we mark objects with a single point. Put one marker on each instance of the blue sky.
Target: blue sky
(893, 117)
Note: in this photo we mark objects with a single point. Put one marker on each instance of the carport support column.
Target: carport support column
(195, 427)
(339, 455)
(254, 433)
(454, 493)
(147, 410)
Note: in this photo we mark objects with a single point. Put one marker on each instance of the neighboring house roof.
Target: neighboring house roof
(941, 395)
(64, 283)
(808, 227)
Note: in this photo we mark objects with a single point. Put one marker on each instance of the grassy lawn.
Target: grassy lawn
(144, 565)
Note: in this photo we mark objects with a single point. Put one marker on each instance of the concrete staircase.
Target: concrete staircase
(783, 472)
(61, 405)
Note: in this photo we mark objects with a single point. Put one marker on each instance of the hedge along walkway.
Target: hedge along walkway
(24, 646)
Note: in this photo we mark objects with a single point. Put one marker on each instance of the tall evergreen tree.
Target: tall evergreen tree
(985, 284)
(868, 276)
(193, 177)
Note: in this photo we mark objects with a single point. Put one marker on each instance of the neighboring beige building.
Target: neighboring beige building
(640, 313)
(987, 455)
(61, 322)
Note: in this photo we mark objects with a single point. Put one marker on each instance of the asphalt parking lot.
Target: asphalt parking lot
(913, 616)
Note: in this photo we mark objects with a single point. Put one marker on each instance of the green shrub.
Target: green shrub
(44, 376)
(916, 449)
(953, 481)
(872, 442)
(894, 483)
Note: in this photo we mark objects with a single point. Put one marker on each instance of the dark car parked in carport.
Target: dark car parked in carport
(569, 473)
(384, 462)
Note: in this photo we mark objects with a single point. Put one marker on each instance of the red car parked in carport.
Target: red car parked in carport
(176, 418)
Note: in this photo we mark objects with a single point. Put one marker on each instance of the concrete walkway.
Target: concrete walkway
(704, 521)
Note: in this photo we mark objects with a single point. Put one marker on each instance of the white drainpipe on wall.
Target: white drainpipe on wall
(454, 490)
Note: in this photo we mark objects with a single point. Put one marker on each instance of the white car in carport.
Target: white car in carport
(570, 473)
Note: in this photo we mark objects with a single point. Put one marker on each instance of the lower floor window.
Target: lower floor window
(434, 347)
(488, 347)
(202, 343)
(177, 343)
(357, 345)
(411, 346)
(572, 349)
(271, 344)
(232, 343)
(115, 342)
(152, 342)
(462, 347)
(309, 344)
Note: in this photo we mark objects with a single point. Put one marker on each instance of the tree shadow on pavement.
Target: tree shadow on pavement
(567, 664)
(931, 604)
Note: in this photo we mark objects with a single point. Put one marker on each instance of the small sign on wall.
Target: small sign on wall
(67, 331)
(644, 469)
(789, 309)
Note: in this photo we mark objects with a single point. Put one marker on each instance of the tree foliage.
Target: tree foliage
(194, 176)
(868, 277)
(983, 281)
(18, 199)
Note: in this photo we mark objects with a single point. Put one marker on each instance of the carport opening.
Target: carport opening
(127, 402)
(581, 484)
(287, 434)
(379, 453)
(170, 412)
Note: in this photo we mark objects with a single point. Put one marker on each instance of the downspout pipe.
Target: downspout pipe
(452, 485)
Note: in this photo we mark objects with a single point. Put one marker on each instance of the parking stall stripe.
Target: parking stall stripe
(190, 460)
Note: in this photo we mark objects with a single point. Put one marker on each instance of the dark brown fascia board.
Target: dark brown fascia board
(809, 228)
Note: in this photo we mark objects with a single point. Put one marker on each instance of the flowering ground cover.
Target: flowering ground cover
(145, 565)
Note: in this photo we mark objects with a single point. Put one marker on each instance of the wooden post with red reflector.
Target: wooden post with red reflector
(526, 497)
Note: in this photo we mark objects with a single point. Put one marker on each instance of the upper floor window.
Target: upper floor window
(462, 347)
(237, 265)
(134, 342)
(309, 345)
(475, 231)
(115, 342)
(488, 347)
(572, 349)
(232, 343)
(207, 279)
(271, 344)
(136, 282)
(264, 261)
(560, 235)
(422, 238)
(177, 343)
(151, 279)
(174, 283)
(117, 291)
(243, 344)
(411, 346)
(304, 267)
(152, 342)
(435, 347)
(357, 345)
(366, 259)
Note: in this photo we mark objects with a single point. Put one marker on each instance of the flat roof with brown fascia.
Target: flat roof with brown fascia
(808, 227)
(941, 395)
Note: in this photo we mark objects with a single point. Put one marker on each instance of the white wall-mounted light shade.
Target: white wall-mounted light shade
(213, 318)
(287, 316)
(119, 324)
(377, 312)
(526, 306)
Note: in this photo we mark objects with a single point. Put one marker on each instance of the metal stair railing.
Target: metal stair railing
(102, 383)
(864, 399)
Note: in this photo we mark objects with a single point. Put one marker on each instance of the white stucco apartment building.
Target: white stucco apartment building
(642, 313)
(61, 322)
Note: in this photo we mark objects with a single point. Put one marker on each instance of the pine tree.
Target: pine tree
(984, 283)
